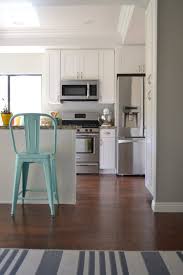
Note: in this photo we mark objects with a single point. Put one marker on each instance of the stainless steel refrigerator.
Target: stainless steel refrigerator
(130, 125)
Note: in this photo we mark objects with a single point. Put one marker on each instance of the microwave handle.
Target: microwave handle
(88, 90)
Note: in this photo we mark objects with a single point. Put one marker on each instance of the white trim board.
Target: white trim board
(167, 207)
(124, 20)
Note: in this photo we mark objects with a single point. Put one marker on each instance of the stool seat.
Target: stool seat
(31, 155)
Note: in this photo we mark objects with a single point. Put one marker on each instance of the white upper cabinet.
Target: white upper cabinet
(130, 60)
(53, 76)
(89, 64)
(79, 64)
(106, 76)
(69, 64)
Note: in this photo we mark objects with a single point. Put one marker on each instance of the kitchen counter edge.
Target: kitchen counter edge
(42, 127)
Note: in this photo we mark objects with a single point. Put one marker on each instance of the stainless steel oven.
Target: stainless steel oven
(79, 90)
(87, 151)
(87, 140)
(87, 147)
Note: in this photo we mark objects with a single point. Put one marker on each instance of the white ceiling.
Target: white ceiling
(87, 20)
(79, 25)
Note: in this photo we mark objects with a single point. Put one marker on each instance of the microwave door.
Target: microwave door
(74, 92)
(79, 90)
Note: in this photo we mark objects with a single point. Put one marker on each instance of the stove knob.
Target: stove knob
(78, 130)
(86, 130)
(90, 130)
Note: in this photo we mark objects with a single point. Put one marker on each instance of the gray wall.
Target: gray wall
(170, 102)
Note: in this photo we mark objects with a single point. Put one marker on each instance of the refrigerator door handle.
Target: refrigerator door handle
(125, 141)
(122, 141)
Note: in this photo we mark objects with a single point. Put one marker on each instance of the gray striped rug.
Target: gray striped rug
(74, 262)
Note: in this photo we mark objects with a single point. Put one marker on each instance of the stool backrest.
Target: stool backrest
(32, 131)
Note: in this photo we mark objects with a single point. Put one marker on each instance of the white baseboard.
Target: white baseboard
(107, 171)
(169, 207)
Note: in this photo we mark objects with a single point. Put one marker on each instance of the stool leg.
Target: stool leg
(48, 179)
(54, 179)
(25, 170)
(18, 168)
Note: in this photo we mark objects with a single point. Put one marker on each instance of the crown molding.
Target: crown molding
(62, 42)
(58, 32)
(124, 20)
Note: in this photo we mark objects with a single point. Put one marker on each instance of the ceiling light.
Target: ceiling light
(20, 14)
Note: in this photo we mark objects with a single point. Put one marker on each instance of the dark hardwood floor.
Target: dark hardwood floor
(111, 213)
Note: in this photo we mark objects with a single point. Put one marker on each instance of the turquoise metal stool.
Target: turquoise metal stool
(32, 154)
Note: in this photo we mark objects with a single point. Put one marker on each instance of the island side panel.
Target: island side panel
(65, 159)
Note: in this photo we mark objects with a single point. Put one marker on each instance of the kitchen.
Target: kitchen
(110, 74)
(79, 83)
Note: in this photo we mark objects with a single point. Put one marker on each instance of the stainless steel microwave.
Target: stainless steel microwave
(79, 90)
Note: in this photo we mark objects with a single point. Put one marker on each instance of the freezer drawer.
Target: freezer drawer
(131, 157)
(90, 168)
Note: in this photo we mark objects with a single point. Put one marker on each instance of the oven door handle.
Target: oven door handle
(86, 136)
(88, 90)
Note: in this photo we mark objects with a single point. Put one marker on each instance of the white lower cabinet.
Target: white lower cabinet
(108, 151)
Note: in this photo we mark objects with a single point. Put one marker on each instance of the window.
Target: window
(3, 91)
(21, 93)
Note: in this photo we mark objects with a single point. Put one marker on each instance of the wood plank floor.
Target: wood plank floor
(111, 213)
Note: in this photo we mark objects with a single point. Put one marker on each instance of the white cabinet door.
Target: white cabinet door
(130, 59)
(89, 64)
(79, 64)
(107, 149)
(53, 76)
(106, 76)
(70, 64)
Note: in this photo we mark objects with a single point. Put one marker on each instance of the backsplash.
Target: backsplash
(79, 107)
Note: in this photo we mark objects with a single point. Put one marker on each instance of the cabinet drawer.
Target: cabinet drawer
(104, 133)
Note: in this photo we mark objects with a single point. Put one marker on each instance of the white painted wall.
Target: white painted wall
(20, 63)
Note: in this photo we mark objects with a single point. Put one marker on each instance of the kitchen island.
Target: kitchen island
(65, 160)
